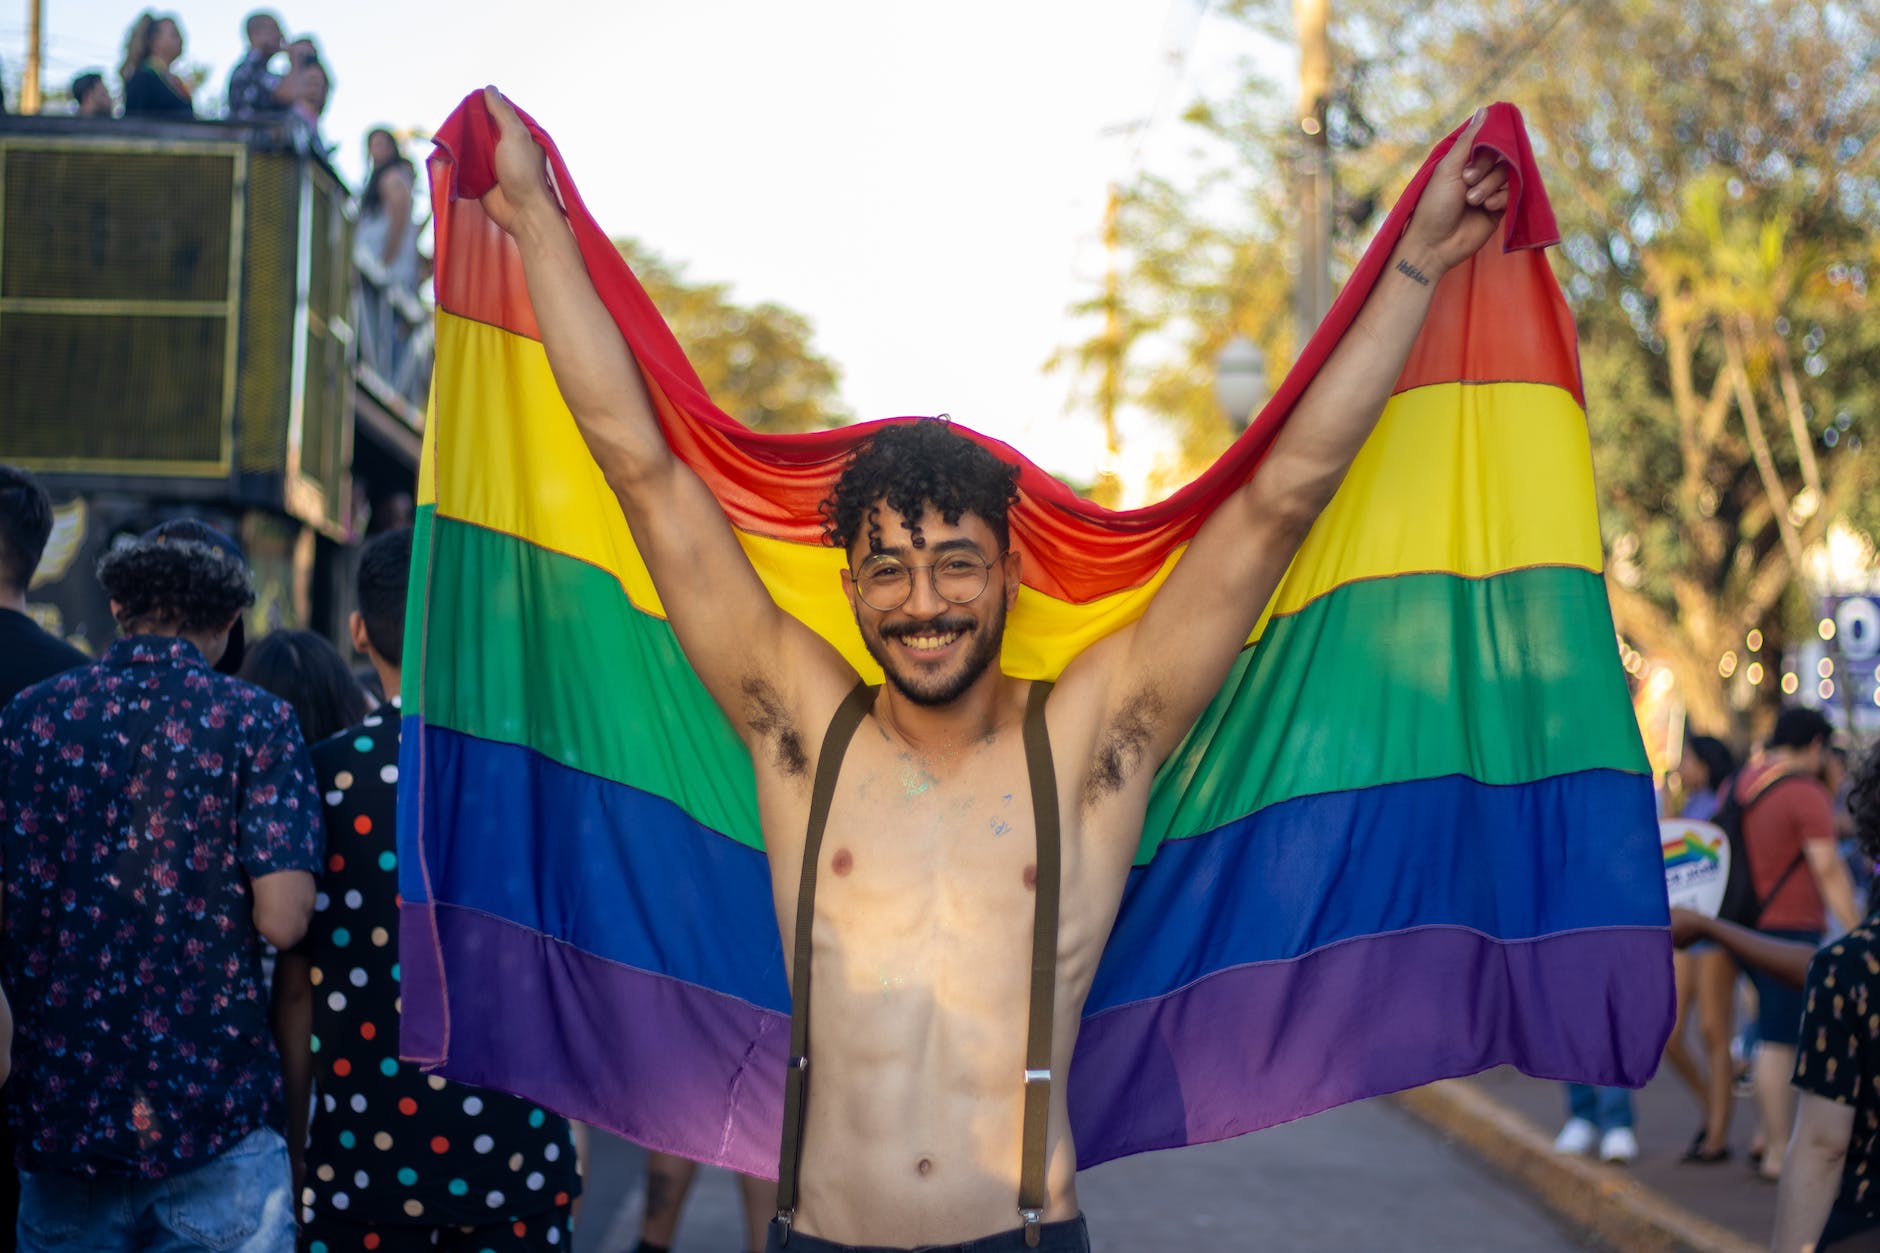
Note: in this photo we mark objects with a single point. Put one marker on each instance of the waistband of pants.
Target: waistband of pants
(1068, 1236)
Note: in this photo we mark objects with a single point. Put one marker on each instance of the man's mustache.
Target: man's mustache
(933, 626)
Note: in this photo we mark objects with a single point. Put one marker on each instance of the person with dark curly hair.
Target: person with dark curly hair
(938, 1114)
(158, 821)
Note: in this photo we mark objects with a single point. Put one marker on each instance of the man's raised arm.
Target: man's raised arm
(1158, 675)
(753, 657)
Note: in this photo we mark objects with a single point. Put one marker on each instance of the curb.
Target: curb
(1623, 1213)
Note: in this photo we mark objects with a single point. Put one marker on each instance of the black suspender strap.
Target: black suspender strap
(1044, 945)
(796, 1079)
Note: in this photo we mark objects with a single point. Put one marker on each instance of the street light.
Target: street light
(1239, 380)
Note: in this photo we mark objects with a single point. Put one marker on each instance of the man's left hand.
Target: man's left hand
(1462, 205)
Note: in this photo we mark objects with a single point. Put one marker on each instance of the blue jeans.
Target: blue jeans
(1605, 1108)
(235, 1203)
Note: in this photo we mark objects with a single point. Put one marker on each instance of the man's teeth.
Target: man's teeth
(931, 641)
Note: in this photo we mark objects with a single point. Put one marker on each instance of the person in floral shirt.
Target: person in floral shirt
(157, 821)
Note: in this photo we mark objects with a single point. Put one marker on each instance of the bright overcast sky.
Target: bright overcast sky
(925, 182)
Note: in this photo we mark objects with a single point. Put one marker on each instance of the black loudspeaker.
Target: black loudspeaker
(174, 313)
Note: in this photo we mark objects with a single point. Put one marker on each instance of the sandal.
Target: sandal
(1698, 1155)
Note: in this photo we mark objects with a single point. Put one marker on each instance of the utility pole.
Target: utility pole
(1109, 488)
(29, 82)
(1313, 296)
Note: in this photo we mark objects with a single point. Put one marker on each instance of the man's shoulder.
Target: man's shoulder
(1852, 958)
(29, 655)
(269, 711)
(55, 691)
(1778, 787)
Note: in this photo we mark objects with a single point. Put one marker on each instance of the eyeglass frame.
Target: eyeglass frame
(933, 580)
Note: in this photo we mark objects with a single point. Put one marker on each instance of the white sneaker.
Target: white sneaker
(1577, 1137)
(1619, 1146)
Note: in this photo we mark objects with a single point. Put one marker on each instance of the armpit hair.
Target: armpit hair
(765, 714)
(1123, 744)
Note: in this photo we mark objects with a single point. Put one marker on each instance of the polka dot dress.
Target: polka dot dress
(390, 1144)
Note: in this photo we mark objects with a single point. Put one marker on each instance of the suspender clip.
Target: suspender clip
(1038, 1076)
(783, 1220)
(799, 1063)
(1032, 1233)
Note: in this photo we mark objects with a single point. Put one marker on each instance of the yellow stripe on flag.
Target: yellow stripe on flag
(1474, 480)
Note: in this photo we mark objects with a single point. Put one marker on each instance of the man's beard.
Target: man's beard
(986, 637)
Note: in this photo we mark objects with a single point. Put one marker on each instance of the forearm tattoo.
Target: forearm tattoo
(1411, 272)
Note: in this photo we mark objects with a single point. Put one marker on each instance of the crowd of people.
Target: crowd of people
(198, 839)
(189, 803)
(1804, 1041)
(286, 80)
(277, 78)
(165, 823)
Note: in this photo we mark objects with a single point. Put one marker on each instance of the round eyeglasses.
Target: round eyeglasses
(884, 583)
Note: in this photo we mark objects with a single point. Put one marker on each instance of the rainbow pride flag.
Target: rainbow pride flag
(1413, 836)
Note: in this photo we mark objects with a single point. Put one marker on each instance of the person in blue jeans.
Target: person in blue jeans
(1598, 1118)
(158, 821)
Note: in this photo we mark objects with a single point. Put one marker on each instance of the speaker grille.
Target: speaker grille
(108, 388)
(68, 235)
(267, 313)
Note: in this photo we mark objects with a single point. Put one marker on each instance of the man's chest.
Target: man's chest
(938, 835)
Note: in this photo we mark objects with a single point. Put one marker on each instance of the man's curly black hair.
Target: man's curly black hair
(914, 466)
(185, 583)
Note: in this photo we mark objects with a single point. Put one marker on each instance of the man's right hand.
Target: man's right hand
(521, 167)
(1687, 927)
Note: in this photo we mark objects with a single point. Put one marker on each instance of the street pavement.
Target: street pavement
(1363, 1177)
(1727, 1193)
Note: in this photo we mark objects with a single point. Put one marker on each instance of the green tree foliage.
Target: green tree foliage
(756, 361)
(1714, 170)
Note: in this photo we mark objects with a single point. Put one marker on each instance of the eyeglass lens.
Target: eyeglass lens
(885, 582)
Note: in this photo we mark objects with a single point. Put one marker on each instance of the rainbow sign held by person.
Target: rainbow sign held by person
(1412, 837)
(1697, 864)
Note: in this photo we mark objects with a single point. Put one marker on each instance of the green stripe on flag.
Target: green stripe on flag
(1505, 680)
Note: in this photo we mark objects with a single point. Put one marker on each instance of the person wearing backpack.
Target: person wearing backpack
(1797, 878)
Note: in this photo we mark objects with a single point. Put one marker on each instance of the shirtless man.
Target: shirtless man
(922, 935)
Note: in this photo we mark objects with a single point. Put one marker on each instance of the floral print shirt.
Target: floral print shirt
(139, 796)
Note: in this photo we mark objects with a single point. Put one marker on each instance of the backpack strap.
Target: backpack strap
(835, 746)
(1763, 787)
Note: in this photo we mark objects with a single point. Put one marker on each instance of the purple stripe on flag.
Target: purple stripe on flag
(690, 1071)
(1263, 1044)
(669, 1065)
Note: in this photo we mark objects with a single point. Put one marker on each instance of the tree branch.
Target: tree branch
(1759, 445)
(1798, 420)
